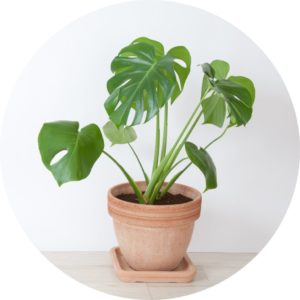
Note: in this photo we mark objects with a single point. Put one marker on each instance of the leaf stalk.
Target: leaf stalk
(140, 163)
(132, 183)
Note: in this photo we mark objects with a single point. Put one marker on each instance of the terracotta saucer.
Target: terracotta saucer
(185, 272)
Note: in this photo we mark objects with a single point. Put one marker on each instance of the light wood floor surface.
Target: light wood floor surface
(95, 270)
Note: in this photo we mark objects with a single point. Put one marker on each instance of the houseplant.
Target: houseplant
(153, 218)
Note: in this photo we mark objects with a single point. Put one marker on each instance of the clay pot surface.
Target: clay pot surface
(153, 237)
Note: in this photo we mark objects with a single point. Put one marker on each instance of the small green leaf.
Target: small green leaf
(214, 110)
(201, 159)
(83, 149)
(221, 68)
(237, 91)
(218, 69)
(121, 135)
(208, 70)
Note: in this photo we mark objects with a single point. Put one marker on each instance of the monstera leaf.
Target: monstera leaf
(237, 93)
(121, 135)
(82, 149)
(145, 78)
(201, 159)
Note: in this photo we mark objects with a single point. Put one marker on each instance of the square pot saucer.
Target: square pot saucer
(185, 272)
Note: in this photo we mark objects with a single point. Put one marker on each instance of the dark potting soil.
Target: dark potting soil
(165, 200)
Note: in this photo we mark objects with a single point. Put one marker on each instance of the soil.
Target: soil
(168, 199)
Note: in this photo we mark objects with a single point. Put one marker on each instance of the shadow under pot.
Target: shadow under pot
(153, 237)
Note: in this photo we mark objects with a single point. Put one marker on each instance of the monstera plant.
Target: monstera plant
(153, 218)
(147, 80)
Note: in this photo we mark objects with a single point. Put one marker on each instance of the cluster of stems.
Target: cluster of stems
(164, 162)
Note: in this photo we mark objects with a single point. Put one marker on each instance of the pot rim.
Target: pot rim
(197, 197)
(154, 215)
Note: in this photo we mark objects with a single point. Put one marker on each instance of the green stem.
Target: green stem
(177, 163)
(181, 145)
(165, 133)
(173, 180)
(217, 138)
(140, 163)
(157, 144)
(155, 193)
(169, 163)
(134, 186)
(187, 125)
(155, 176)
(175, 177)
(158, 172)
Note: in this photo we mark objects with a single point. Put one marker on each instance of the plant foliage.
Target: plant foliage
(237, 93)
(83, 149)
(145, 79)
(201, 159)
(121, 135)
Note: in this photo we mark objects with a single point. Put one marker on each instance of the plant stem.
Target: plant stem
(187, 125)
(217, 138)
(173, 180)
(158, 172)
(132, 183)
(177, 151)
(165, 133)
(140, 163)
(175, 177)
(155, 176)
(177, 163)
(157, 144)
(169, 163)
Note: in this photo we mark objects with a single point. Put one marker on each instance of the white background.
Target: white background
(66, 79)
(263, 272)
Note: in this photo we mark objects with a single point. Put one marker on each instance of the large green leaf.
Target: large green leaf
(144, 79)
(214, 110)
(82, 149)
(201, 159)
(121, 135)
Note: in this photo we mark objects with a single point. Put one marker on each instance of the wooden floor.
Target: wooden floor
(94, 269)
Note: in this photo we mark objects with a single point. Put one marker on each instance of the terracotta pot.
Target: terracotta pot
(153, 237)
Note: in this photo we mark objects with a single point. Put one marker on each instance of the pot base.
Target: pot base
(185, 272)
